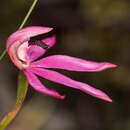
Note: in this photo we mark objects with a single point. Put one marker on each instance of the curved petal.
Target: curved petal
(38, 86)
(34, 52)
(61, 79)
(50, 41)
(25, 34)
(71, 63)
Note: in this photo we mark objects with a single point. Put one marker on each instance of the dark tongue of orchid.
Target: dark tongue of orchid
(37, 40)
(40, 43)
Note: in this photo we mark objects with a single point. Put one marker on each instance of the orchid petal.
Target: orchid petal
(34, 52)
(61, 79)
(38, 86)
(71, 63)
(50, 41)
(25, 34)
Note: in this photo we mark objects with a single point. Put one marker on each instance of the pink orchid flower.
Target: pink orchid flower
(24, 55)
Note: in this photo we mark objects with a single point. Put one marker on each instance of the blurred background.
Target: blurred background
(97, 30)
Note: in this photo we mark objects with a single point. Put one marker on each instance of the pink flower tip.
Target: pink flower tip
(108, 99)
(113, 65)
(62, 97)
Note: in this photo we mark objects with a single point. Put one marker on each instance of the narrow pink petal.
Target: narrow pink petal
(34, 52)
(61, 79)
(71, 63)
(25, 34)
(50, 41)
(38, 86)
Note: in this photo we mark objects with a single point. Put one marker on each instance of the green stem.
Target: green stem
(23, 23)
(23, 84)
(3, 54)
(28, 14)
(22, 89)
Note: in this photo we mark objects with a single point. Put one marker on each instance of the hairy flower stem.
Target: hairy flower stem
(23, 23)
